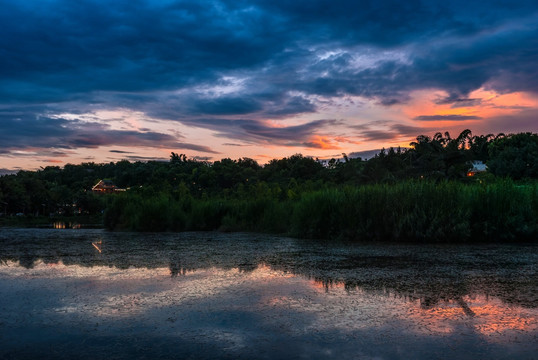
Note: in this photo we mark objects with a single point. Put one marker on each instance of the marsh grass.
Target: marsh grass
(423, 211)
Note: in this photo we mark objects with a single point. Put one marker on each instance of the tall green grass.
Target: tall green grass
(408, 211)
(421, 211)
(160, 213)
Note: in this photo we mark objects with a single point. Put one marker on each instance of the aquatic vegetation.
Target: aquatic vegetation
(424, 211)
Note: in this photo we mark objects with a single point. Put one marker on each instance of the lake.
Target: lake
(91, 294)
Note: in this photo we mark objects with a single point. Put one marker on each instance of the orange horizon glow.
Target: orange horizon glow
(342, 136)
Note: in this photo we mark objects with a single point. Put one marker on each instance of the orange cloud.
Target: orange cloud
(435, 113)
(343, 139)
(322, 142)
(486, 103)
(424, 104)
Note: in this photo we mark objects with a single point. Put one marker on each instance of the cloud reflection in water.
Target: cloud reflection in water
(276, 298)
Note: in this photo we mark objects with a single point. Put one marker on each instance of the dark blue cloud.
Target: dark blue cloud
(171, 60)
(226, 106)
(90, 45)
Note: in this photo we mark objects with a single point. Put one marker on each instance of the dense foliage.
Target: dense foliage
(407, 211)
(418, 193)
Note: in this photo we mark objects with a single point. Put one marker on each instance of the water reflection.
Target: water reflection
(65, 225)
(252, 296)
(431, 274)
(491, 317)
(97, 245)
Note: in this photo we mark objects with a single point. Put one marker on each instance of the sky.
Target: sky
(101, 81)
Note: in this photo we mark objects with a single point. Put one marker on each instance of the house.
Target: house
(478, 166)
(106, 187)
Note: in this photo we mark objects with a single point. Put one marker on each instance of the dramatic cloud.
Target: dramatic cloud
(73, 48)
(386, 130)
(45, 132)
(235, 67)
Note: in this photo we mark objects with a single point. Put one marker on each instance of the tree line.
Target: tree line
(67, 190)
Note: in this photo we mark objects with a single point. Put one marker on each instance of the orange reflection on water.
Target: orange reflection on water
(265, 271)
(96, 246)
(109, 292)
(503, 321)
(327, 285)
(64, 225)
(488, 316)
(59, 225)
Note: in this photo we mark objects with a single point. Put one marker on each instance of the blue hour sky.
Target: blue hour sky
(102, 81)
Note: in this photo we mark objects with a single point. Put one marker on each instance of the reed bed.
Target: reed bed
(418, 211)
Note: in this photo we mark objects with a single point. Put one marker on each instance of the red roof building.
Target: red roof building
(105, 187)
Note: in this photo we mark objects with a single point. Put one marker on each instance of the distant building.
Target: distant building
(477, 167)
(106, 187)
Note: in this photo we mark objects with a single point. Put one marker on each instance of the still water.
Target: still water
(90, 294)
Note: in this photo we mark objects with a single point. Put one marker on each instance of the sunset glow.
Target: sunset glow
(101, 81)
